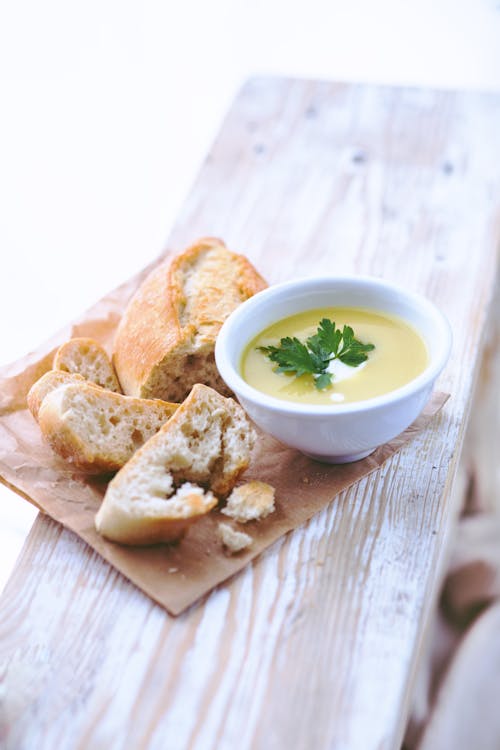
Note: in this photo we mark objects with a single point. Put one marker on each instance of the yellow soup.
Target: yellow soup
(399, 356)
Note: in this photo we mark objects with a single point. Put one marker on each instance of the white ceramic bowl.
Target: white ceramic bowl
(341, 432)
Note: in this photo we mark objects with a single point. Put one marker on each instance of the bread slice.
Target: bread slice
(98, 430)
(207, 441)
(87, 358)
(250, 502)
(46, 384)
(165, 341)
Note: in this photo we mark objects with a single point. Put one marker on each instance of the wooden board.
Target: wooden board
(315, 644)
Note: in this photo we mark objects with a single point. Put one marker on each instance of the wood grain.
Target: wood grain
(315, 644)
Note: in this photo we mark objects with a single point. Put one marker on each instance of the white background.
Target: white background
(107, 108)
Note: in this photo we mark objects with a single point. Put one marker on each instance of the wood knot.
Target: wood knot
(359, 157)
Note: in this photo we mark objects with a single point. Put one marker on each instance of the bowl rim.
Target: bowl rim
(235, 381)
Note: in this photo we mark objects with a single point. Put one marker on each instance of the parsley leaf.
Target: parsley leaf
(323, 381)
(313, 357)
(353, 352)
(326, 339)
(291, 356)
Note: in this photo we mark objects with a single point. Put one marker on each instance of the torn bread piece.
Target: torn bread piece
(89, 359)
(207, 441)
(250, 502)
(165, 341)
(98, 430)
(46, 384)
(150, 510)
(234, 541)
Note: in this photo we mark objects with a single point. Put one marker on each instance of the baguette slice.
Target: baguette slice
(87, 358)
(46, 384)
(97, 430)
(208, 441)
(165, 341)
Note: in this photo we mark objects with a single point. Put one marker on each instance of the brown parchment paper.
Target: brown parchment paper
(175, 576)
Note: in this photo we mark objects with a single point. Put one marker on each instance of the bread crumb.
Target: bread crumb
(305, 480)
(234, 541)
(250, 502)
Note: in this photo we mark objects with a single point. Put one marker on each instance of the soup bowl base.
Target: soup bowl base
(347, 458)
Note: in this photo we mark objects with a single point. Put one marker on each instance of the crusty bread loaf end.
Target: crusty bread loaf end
(166, 338)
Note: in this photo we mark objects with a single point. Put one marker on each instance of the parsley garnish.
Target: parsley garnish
(315, 355)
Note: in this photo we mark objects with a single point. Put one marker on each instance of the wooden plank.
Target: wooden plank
(315, 644)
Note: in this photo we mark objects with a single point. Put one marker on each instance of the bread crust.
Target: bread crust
(166, 338)
(46, 384)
